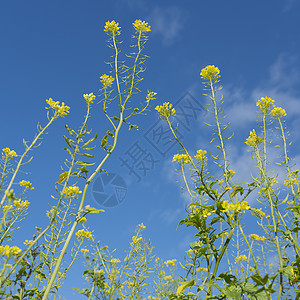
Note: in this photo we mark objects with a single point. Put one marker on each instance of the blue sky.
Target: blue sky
(57, 49)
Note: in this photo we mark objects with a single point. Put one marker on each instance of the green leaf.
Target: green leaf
(184, 285)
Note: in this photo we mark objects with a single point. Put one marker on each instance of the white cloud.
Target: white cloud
(167, 216)
(284, 77)
(166, 22)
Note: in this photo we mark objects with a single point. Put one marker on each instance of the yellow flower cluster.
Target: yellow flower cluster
(201, 269)
(141, 26)
(28, 242)
(181, 158)
(291, 182)
(72, 191)
(114, 261)
(241, 258)
(201, 154)
(62, 110)
(151, 96)
(168, 278)
(6, 208)
(237, 207)
(142, 226)
(89, 98)
(83, 234)
(207, 212)
(9, 251)
(171, 262)
(26, 184)
(166, 110)
(112, 27)
(9, 153)
(253, 139)
(265, 104)
(257, 238)
(106, 81)
(84, 251)
(278, 112)
(135, 239)
(21, 204)
(210, 73)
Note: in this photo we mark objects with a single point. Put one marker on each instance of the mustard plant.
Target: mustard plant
(223, 262)
(41, 267)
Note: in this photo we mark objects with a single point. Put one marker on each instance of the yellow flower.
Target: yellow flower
(169, 263)
(62, 110)
(181, 158)
(21, 204)
(84, 251)
(290, 182)
(72, 191)
(4, 250)
(83, 234)
(141, 26)
(210, 73)
(135, 240)
(151, 96)
(207, 212)
(241, 258)
(89, 98)
(253, 139)
(278, 112)
(201, 269)
(114, 261)
(9, 153)
(106, 81)
(168, 278)
(201, 154)
(166, 110)
(236, 208)
(112, 27)
(8, 251)
(257, 238)
(265, 104)
(27, 184)
(142, 226)
(6, 208)
(15, 250)
(28, 243)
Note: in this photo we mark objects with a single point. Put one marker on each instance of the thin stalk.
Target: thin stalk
(23, 156)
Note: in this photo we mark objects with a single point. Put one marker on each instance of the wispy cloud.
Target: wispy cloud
(167, 23)
(167, 216)
(240, 105)
(284, 77)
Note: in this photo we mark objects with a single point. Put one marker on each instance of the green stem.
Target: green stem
(23, 156)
